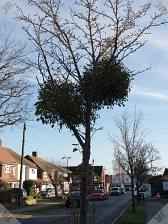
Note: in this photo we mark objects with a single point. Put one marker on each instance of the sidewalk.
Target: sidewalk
(152, 207)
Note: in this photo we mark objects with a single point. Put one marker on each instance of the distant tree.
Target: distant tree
(14, 83)
(80, 57)
(56, 175)
(57, 180)
(131, 152)
(145, 163)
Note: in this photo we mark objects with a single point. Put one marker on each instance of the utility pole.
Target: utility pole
(21, 166)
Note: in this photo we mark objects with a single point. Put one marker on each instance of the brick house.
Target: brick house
(46, 173)
(10, 165)
(96, 177)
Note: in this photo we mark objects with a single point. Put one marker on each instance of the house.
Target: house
(48, 174)
(121, 179)
(108, 182)
(96, 178)
(10, 165)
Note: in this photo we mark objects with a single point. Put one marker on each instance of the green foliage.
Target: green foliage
(60, 102)
(29, 186)
(108, 83)
(65, 102)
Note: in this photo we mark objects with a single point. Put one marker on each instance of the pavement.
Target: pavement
(152, 207)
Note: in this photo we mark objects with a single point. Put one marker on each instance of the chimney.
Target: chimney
(34, 153)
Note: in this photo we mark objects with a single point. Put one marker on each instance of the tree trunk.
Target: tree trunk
(85, 168)
(55, 187)
(132, 189)
(137, 186)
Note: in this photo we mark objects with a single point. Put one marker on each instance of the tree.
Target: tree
(56, 175)
(80, 56)
(131, 152)
(14, 84)
(145, 163)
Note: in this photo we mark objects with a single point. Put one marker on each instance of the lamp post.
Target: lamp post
(67, 158)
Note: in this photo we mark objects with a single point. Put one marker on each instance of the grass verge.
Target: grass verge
(46, 208)
(132, 218)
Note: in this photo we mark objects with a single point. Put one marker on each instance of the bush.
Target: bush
(29, 186)
(4, 185)
(5, 196)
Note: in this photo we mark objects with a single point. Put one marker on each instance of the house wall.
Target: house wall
(18, 172)
(30, 173)
(8, 172)
(0, 170)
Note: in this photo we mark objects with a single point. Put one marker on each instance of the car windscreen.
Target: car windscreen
(115, 189)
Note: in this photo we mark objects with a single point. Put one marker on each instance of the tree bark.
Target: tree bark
(137, 186)
(132, 188)
(85, 167)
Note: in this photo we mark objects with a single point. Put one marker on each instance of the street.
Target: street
(99, 212)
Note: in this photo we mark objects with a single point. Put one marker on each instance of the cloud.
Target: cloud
(151, 94)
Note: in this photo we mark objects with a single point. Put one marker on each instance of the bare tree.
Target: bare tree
(14, 83)
(145, 163)
(56, 175)
(126, 147)
(74, 50)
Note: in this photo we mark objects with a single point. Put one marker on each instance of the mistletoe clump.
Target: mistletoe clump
(61, 103)
(108, 83)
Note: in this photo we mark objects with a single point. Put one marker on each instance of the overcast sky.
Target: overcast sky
(149, 94)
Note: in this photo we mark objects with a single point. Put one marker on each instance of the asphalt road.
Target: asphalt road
(99, 212)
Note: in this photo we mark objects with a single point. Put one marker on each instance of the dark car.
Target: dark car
(99, 194)
(14, 193)
(73, 200)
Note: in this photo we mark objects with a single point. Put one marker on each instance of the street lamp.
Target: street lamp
(67, 158)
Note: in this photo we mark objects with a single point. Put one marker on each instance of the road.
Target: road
(99, 212)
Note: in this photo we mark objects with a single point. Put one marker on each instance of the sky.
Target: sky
(149, 93)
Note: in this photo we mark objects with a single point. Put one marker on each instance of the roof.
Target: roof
(44, 165)
(8, 156)
(76, 169)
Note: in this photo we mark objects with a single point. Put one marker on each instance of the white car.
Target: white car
(115, 191)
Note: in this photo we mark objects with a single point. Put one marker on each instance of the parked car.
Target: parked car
(73, 199)
(14, 193)
(99, 194)
(115, 191)
(48, 193)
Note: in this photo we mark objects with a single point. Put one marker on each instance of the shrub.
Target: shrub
(4, 185)
(29, 186)
(5, 196)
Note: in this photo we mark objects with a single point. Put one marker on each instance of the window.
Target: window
(44, 174)
(7, 169)
(33, 171)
